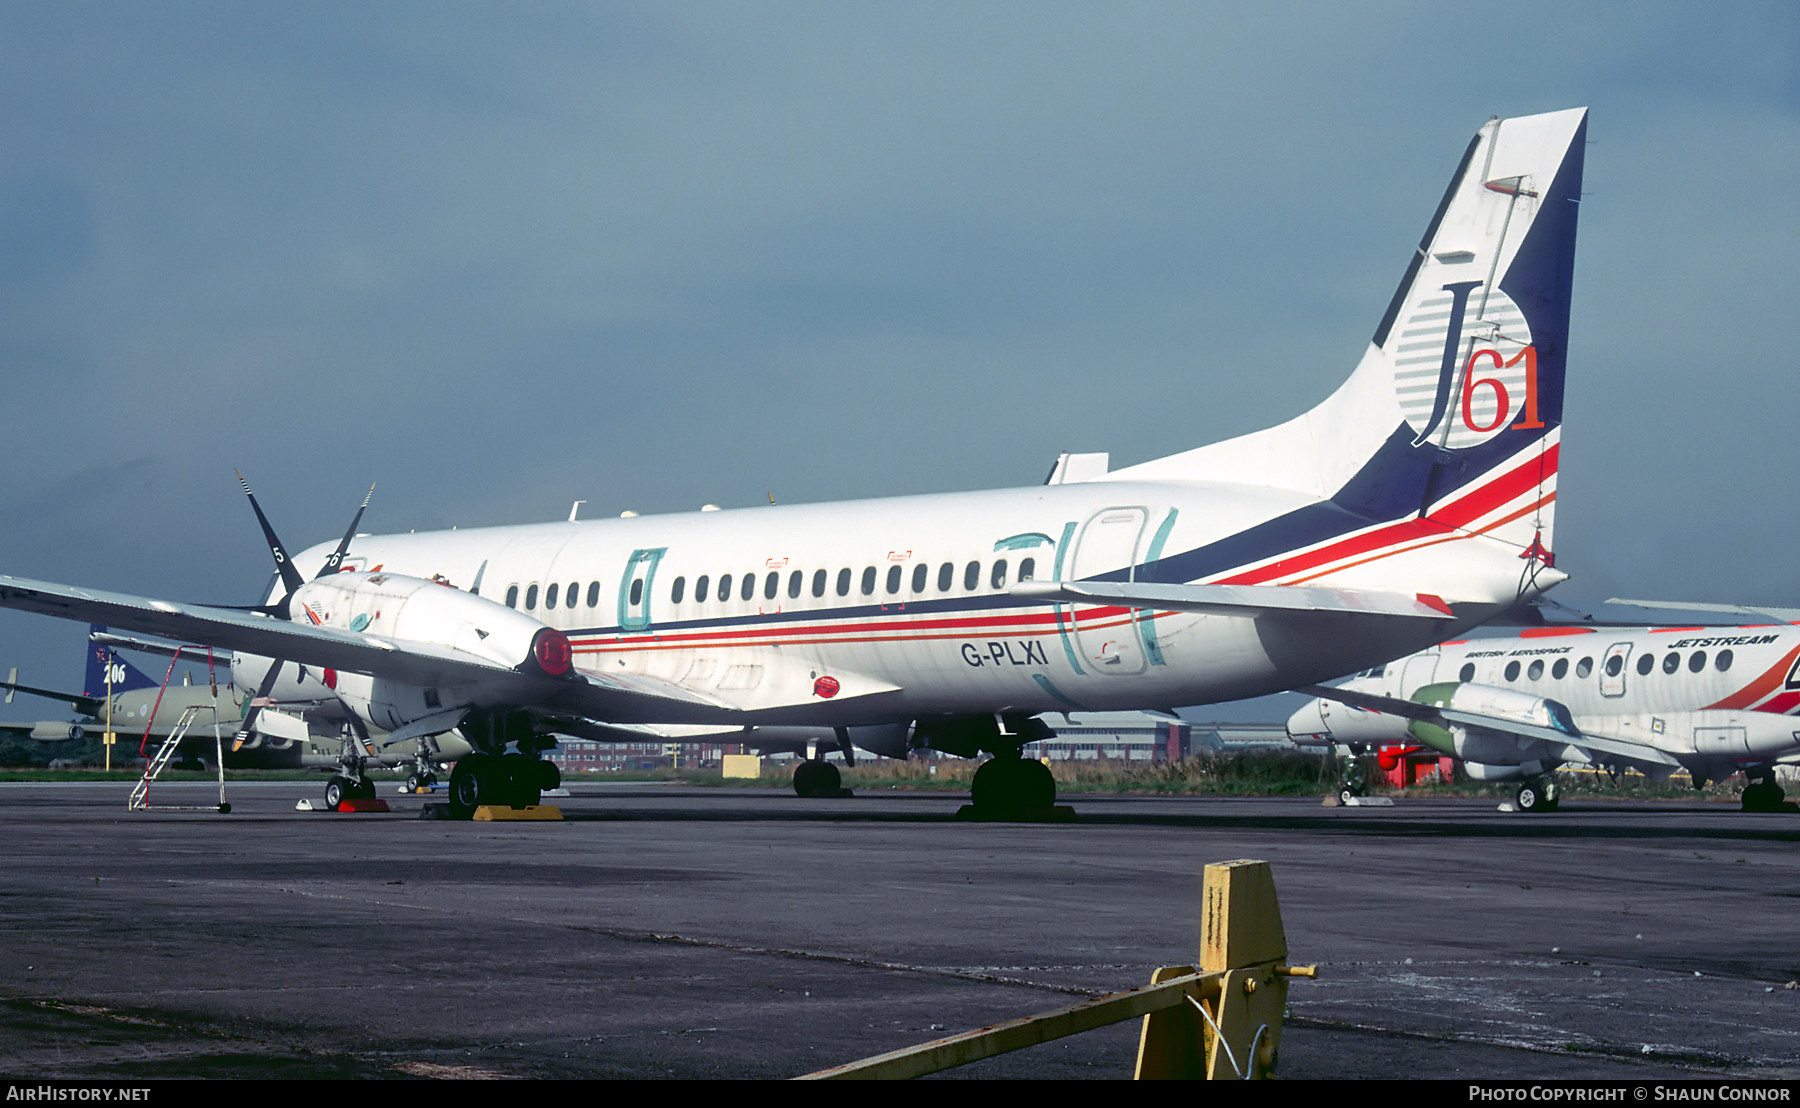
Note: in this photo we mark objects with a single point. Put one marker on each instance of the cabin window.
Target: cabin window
(572, 594)
(1646, 663)
(1586, 666)
(843, 584)
(1614, 665)
(749, 589)
(724, 587)
(550, 596)
(1560, 670)
(795, 580)
(771, 584)
(1723, 661)
(700, 584)
(893, 580)
(868, 581)
(512, 596)
(637, 590)
(1468, 672)
(1697, 661)
(946, 576)
(921, 577)
(1512, 671)
(1536, 671)
(677, 590)
(1671, 662)
(593, 594)
(972, 576)
(1028, 569)
(998, 580)
(819, 576)
(530, 597)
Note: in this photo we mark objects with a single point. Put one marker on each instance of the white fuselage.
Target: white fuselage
(910, 593)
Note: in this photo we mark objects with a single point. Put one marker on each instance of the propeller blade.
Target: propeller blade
(256, 706)
(336, 561)
(290, 577)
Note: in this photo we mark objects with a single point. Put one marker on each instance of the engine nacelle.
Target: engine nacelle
(1494, 746)
(408, 609)
(1320, 721)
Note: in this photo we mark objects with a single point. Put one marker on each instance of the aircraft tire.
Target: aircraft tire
(1529, 798)
(336, 790)
(471, 784)
(1761, 796)
(1010, 786)
(519, 777)
(816, 778)
(549, 776)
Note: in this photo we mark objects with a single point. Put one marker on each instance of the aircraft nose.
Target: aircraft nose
(1309, 721)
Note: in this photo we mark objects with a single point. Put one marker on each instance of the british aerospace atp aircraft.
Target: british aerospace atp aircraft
(1414, 502)
(1713, 701)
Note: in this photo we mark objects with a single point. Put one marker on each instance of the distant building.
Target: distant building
(587, 756)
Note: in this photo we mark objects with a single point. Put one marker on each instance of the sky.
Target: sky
(497, 258)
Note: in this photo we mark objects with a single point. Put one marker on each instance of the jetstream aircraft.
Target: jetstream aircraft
(1413, 503)
(1710, 700)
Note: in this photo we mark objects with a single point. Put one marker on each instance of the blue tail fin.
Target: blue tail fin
(125, 676)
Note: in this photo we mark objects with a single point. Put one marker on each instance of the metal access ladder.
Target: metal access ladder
(140, 792)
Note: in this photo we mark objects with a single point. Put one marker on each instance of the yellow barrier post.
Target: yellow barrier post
(1222, 1021)
(1235, 1029)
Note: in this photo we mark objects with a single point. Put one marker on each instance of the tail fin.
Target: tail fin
(125, 676)
(1454, 412)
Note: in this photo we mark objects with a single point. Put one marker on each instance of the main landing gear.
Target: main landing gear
(1538, 794)
(491, 775)
(816, 777)
(1763, 793)
(1010, 786)
(513, 780)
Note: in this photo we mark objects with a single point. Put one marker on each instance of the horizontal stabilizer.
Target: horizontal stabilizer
(1785, 615)
(1236, 599)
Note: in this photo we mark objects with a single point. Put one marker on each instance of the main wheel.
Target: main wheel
(1762, 796)
(1012, 786)
(1529, 799)
(816, 778)
(472, 784)
(519, 780)
(336, 790)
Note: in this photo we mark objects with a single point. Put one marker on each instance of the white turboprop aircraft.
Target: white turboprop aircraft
(1413, 503)
(1711, 700)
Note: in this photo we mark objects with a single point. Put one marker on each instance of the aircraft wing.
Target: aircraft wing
(1236, 599)
(1587, 741)
(782, 686)
(148, 646)
(415, 663)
